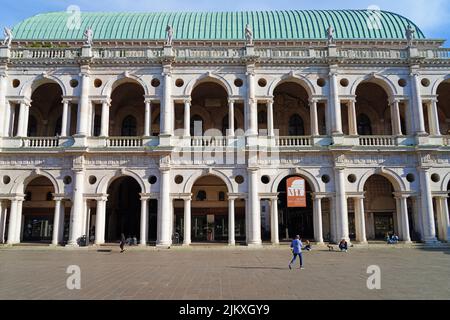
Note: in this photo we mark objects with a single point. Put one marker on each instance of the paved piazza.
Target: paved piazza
(224, 273)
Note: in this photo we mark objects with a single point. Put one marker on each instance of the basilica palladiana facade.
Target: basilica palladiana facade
(184, 127)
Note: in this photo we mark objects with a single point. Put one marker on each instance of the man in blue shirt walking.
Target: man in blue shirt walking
(296, 246)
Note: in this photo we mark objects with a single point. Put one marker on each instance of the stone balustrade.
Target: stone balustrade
(36, 143)
(124, 142)
(209, 141)
(295, 141)
(377, 141)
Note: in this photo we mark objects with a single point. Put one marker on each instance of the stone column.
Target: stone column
(57, 221)
(231, 222)
(252, 110)
(18, 238)
(164, 210)
(275, 238)
(104, 132)
(3, 104)
(317, 219)
(352, 121)
(404, 221)
(13, 220)
(65, 125)
(187, 118)
(417, 104)
(144, 220)
(83, 107)
(7, 121)
(270, 128)
(100, 219)
(2, 221)
(76, 215)
(427, 212)
(167, 109)
(231, 127)
(360, 220)
(442, 218)
(187, 222)
(255, 208)
(433, 118)
(335, 105)
(148, 118)
(313, 117)
(22, 129)
(341, 206)
(395, 118)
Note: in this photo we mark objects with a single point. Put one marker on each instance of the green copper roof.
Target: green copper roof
(266, 25)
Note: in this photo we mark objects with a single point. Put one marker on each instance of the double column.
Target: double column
(106, 106)
(360, 219)
(426, 206)
(433, 117)
(144, 219)
(15, 220)
(443, 218)
(317, 218)
(314, 119)
(187, 117)
(274, 231)
(3, 104)
(402, 216)
(65, 124)
(24, 114)
(395, 117)
(100, 218)
(58, 220)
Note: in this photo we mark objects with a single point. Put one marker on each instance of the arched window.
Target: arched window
(196, 125)
(364, 125)
(32, 127)
(129, 127)
(201, 195)
(296, 127)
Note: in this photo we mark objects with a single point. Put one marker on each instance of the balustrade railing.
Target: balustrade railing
(446, 140)
(124, 142)
(377, 141)
(51, 142)
(45, 53)
(293, 141)
(209, 142)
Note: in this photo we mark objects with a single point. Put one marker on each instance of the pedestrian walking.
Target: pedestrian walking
(296, 246)
(122, 242)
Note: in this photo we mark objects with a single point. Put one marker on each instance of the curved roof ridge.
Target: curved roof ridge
(267, 25)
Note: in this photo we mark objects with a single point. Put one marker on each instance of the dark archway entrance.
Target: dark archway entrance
(297, 220)
(123, 209)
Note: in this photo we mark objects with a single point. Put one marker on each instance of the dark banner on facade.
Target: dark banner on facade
(296, 192)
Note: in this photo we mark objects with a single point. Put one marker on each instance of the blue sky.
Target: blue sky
(432, 16)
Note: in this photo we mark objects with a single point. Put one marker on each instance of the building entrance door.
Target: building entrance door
(384, 224)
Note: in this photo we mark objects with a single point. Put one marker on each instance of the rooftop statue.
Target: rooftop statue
(169, 31)
(249, 34)
(89, 36)
(330, 33)
(410, 35)
(8, 37)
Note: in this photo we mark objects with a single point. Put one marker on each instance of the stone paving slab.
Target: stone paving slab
(223, 273)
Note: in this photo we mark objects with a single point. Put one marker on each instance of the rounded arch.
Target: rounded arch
(382, 81)
(107, 180)
(193, 178)
(295, 172)
(211, 77)
(113, 83)
(389, 174)
(445, 182)
(22, 181)
(298, 79)
(30, 86)
(438, 82)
